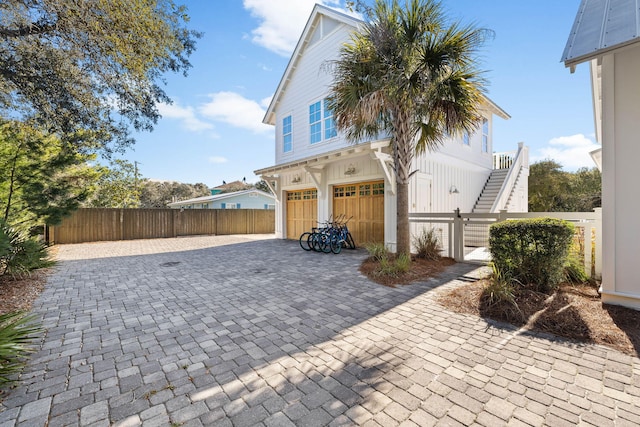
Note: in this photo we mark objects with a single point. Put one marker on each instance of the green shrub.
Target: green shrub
(16, 337)
(531, 251)
(388, 263)
(500, 289)
(377, 251)
(20, 255)
(427, 244)
(574, 270)
(393, 265)
(30, 255)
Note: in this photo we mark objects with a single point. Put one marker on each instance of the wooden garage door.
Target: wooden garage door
(302, 211)
(365, 203)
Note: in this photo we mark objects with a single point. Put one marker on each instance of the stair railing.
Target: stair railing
(520, 160)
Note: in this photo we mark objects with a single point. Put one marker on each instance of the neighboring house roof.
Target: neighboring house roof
(234, 185)
(601, 26)
(307, 33)
(220, 196)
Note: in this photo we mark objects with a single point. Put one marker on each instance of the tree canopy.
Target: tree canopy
(42, 178)
(552, 189)
(409, 73)
(97, 66)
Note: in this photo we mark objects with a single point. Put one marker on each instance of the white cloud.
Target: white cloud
(572, 152)
(234, 109)
(281, 22)
(218, 159)
(186, 115)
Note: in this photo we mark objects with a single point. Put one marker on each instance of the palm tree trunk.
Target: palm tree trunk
(403, 156)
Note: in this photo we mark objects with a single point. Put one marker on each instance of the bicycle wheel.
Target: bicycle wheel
(317, 242)
(304, 241)
(336, 244)
(350, 242)
(324, 243)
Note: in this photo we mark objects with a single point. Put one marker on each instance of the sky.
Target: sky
(213, 131)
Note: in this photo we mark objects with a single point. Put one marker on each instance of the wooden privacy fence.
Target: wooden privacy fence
(93, 225)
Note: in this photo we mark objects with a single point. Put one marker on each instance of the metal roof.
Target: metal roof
(219, 196)
(601, 26)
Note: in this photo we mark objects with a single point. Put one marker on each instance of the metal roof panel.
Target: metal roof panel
(600, 26)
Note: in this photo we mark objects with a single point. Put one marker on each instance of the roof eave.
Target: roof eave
(495, 108)
(269, 117)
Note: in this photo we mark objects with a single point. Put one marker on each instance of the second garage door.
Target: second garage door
(364, 202)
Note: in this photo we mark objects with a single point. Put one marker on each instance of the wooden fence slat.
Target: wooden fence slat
(102, 224)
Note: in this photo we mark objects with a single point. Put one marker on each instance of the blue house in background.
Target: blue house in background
(245, 199)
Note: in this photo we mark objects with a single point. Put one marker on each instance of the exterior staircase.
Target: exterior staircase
(490, 191)
(477, 235)
(498, 192)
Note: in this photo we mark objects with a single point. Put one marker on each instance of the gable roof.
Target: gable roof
(312, 23)
(307, 33)
(600, 27)
(220, 196)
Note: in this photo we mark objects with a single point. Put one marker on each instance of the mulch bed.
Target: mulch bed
(421, 269)
(573, 311)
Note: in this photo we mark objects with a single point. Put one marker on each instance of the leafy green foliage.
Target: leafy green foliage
(427, 244)
(500, 289)
(90, 65)
(553, 190)
(409, 73)
(19, 254)
(389, 264)
(42, 178)
(156, 195)
(377, 251)
(574, 268)
(393, 265)
(17, 333)
(29, 255)
(532, 251)
(116, 187)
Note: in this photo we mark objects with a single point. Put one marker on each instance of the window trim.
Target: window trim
(315, 122)
(325, 127)
(485, 135)
(289, 134)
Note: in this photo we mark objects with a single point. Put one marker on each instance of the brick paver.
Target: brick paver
(249, 330)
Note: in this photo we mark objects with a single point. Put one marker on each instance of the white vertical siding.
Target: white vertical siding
(309, 82)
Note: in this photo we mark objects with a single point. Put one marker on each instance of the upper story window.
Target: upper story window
(321, 123)
(287, 134)
(329, 124)
(485, 135)
(315, 122)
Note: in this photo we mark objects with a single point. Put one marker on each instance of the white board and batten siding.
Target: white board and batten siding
(309, 82)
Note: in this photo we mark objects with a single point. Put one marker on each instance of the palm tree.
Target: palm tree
(410, 74)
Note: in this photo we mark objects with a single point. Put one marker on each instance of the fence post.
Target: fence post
(121, 224)
(459, 237)
(598, 226)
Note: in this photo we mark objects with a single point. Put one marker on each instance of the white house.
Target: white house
(245, 199)
(318, 174)
(606, 34)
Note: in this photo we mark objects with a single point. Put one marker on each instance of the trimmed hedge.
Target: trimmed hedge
(532, 251)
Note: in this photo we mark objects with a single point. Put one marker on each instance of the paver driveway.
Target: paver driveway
(192, 332)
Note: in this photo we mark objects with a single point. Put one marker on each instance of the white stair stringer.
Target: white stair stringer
(477, 235)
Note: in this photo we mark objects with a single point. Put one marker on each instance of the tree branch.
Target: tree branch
(32, 29)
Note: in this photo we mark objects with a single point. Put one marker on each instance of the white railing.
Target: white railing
(520, 160)
(503, 160)
(451, 227)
